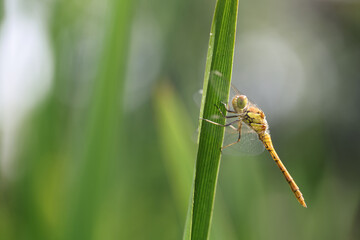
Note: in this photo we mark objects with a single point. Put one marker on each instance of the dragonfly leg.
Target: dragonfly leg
(220, 110)
(226, 108)
(222, 113)
(222, 125)
(238, 140)
(230, 144)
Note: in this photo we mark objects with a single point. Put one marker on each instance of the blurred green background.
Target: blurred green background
(97, 119)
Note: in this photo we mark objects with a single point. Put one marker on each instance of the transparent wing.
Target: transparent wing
(249, 142)
(234, 91)
(197, 97)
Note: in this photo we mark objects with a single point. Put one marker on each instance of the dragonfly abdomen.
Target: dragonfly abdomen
(266, 139)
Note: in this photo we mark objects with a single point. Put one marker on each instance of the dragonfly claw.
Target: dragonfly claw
(223, 103)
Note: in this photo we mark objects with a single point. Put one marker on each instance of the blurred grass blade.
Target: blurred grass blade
(216, 89)
(175, 134)
(97, 168)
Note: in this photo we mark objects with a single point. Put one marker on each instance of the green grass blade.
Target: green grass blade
(216, 89)
(174, 128)
(101, 138)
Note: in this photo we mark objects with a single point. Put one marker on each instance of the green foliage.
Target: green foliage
(101, 139)
(108, 153)
(216, 88)
(178, 152)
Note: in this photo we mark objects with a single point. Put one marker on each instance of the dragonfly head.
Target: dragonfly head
(240, 102)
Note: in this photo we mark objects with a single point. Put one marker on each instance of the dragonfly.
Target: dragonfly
(248, 113)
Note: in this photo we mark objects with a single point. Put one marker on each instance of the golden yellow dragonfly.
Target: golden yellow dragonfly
(248, 113)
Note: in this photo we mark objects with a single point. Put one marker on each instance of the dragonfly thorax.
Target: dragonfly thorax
(240, 103)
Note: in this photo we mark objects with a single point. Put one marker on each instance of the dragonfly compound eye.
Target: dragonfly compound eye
(239, 102)
(242, 101)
